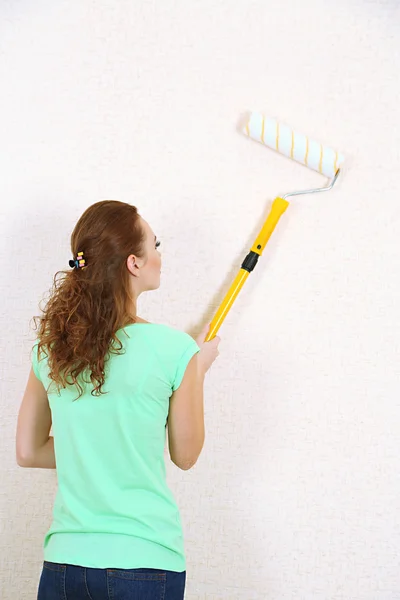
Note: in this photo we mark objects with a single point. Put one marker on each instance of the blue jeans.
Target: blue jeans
(68, 582)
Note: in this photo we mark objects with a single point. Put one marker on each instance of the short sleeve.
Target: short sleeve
(191, 348)
(35, 361)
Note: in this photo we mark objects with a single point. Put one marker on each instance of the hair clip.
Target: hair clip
(78, 263)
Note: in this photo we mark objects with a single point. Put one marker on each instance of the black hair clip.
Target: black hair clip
(78, 263)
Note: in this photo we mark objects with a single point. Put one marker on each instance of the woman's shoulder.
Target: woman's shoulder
(164, 330)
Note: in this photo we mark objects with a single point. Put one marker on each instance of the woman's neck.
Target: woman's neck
(140, 320)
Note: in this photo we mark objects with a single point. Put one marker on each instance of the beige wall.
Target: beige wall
(296, 494)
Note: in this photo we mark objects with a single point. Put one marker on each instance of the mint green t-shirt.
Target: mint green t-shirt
(113, 507)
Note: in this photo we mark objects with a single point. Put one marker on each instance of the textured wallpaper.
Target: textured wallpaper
(297, 492)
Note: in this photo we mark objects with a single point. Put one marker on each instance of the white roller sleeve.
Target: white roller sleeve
(292, 144)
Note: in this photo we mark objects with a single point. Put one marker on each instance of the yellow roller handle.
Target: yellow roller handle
(278, 208)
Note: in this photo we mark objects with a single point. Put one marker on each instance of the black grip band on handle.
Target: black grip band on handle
(250, 261)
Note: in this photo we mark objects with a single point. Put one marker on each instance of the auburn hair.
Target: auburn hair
(87, 306)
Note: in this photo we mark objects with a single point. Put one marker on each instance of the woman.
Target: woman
(108, 383)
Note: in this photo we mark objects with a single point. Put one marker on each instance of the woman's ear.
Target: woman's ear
(133, 265)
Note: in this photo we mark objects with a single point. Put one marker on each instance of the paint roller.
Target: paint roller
(299, 147)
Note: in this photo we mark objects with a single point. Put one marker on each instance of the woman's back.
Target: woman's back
(113, 504)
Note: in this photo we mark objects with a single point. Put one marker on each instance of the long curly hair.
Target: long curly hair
(87, 306)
